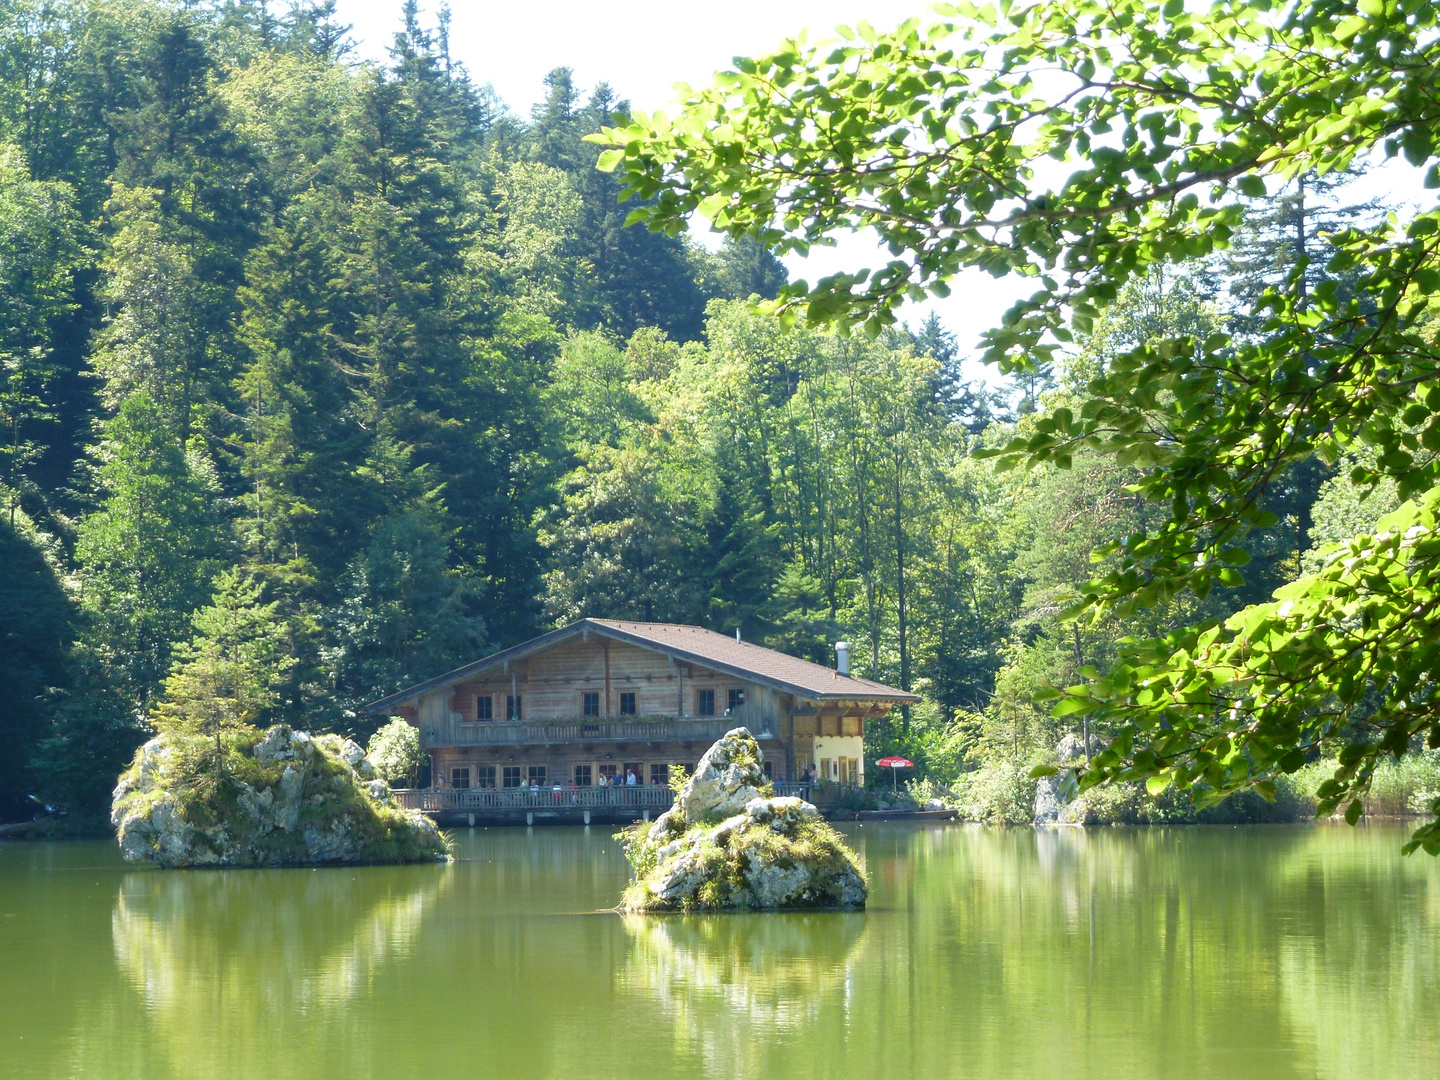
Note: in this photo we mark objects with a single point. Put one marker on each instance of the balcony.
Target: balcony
(638, 798)
(554, 804)
(591, 730)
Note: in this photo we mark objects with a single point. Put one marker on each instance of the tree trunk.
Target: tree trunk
(900, 589)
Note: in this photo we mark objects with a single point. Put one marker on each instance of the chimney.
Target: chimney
(842, 657)
(737, 634)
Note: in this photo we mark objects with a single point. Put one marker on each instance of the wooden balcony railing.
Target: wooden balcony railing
(446, 800)
(653, 797)
(549, 732)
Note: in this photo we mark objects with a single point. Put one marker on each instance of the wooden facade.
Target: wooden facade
(573, 708)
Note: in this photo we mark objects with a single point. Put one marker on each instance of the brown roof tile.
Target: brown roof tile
(694, 644)
(740, 657)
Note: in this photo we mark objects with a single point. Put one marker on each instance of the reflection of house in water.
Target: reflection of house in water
(731, 984)
(601, 703)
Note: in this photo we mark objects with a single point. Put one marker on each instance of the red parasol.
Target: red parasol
(893, 763)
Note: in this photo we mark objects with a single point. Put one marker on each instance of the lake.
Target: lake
(1248, 952)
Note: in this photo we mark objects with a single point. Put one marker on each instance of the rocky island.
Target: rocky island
(728, 843)
(273, 798)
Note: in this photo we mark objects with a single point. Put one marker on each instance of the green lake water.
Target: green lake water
(1122, 954)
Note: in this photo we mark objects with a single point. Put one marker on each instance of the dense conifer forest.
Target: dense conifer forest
(354, 364)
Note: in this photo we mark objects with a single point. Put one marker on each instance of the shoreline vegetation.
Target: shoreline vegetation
(1003, 793)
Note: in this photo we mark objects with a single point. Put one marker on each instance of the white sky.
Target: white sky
(644, 47)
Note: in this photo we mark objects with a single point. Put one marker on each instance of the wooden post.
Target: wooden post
(606, 646)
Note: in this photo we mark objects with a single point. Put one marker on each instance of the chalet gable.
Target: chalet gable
(687, 644)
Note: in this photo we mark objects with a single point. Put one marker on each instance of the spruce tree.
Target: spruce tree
(225, 678)
(39, 255)
(149, 550)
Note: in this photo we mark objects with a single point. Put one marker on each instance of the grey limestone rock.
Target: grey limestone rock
(323, 781)
(728, 777)
(727, 843)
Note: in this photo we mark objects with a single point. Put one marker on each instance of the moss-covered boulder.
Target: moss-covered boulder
(727, 843)
(268, 798)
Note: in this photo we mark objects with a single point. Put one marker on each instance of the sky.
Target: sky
(644, 47)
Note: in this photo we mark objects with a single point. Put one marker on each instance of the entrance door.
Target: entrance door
(635, 769)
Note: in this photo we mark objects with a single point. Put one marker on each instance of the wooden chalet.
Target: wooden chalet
(600, 701)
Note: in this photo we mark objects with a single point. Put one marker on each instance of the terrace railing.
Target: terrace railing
(446, 800)
(579, 730)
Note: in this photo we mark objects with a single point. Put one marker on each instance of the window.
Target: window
(511, 776)
(539, 775)
(704, 702)
(485, 776)
(627, 703)
(734, 699)
(582, 776)
(590, 703)
(460, 778)
(608, 772)
(826, 768)
(484, 710)
(850, 770)
(512, 707)
(659, 774)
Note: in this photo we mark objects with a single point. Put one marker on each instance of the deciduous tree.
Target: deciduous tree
(1169, 119)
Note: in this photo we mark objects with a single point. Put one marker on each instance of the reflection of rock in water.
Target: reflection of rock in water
(730, 981)
(231, 960)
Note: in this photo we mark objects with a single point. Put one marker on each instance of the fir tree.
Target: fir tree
(148, 551)
(225, 678)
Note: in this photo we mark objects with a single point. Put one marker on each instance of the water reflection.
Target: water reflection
(248, 960)
(1239, 952)
(988, 954)
(730, 984)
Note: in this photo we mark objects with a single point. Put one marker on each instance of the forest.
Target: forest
(350, 370)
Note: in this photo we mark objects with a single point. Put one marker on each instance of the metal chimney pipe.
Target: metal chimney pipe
(737, 633)
(842, 657)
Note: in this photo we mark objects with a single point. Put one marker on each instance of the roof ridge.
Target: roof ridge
(782, 670)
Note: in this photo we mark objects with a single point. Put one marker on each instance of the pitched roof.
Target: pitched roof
(694, 644)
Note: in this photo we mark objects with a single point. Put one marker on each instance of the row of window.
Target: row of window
(590, 704)
(585, 774)
(485, 709)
